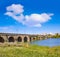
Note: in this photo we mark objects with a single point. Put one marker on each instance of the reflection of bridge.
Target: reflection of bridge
(10, 37)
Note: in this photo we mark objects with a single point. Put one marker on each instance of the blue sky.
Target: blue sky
(30, 16)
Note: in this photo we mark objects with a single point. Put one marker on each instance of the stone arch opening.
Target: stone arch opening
(11, 39)
(30, 39)
(1, 40)
(19, 39)
(25, 39)
(33, 38)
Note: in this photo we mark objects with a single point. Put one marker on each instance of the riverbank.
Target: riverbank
(30, 51)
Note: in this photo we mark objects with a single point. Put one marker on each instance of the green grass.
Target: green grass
(30, 51)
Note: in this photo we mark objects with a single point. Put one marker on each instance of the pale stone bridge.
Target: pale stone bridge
(11, 37)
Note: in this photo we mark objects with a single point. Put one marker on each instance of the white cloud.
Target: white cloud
(37, 25)
(37, 19)
(16, 12)
(19, 18)
(7, 29)
(4, 28)
(15, 8)
(10, 29)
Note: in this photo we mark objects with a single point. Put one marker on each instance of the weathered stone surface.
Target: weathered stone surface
(11, 37)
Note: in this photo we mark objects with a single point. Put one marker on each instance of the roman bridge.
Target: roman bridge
(11, 37)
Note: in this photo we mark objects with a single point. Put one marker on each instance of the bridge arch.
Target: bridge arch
(34, 38)
(25, 39)
(11, 39)
(1, 40)
(30, 39)
(19, 39)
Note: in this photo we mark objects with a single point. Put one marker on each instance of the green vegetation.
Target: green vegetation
(30, 51)
(56, 36)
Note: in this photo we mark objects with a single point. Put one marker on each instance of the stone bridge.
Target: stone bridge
(11, 37)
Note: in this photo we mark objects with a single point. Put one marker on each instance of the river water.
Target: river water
(48, 42)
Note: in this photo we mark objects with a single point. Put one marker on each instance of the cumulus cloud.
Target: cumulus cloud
(16, 9)
(37, 19)
(16, 12)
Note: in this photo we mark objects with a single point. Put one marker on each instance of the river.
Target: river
(48, 42)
